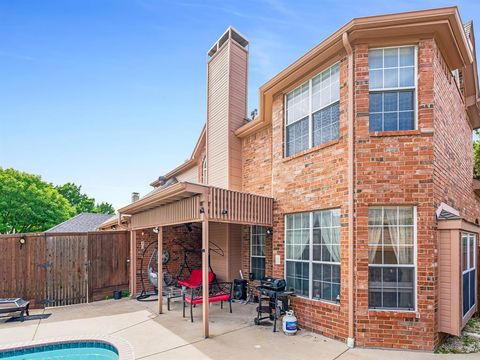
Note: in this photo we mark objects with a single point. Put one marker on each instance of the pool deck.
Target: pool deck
(170, 336)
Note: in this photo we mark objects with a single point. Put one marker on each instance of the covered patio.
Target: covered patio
(220, 212)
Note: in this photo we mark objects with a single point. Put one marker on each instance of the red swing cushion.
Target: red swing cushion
(195, 279)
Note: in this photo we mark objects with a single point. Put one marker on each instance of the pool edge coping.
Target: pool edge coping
(124, 348)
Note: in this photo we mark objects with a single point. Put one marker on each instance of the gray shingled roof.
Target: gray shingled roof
(80, 223)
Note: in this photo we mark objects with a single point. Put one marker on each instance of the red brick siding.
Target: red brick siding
(312, 180)
(453, 170)
(396, 170)
(421, 168)
(170, 235)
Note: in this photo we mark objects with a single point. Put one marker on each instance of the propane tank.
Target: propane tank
(289, 323)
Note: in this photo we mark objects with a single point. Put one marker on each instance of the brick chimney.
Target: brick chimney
(226, 108)
(135, 196)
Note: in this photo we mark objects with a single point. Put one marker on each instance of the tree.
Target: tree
(29, 204)
(476, 155)
(82, 202)
(104, 208)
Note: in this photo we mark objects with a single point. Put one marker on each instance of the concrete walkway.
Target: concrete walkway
(170, 336)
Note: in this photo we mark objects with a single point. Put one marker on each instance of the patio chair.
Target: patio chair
(195, 279)
(218, 292)
(11, 305)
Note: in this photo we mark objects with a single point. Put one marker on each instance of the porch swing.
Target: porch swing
(193, 278)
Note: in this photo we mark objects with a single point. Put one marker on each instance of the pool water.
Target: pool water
(65, 351)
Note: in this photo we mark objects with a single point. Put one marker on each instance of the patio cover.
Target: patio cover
(186, 202)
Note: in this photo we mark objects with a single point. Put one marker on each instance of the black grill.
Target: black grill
(273, 300)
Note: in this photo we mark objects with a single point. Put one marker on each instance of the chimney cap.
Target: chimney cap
(135, 196)
(230, 33)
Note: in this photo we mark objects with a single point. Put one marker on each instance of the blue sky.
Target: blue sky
(110, 94)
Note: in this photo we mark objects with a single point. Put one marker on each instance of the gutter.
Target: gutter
(350, 180)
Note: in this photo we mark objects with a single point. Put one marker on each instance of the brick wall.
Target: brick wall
(421, 168)
(396, 170)
(312, 180)
(171, 237)
(453, 170)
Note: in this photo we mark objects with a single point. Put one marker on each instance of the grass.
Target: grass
(464, 344)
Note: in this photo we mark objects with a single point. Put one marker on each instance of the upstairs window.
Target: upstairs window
(393, 86)
(312, 112)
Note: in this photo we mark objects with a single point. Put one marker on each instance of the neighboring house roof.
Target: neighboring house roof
(80, 223)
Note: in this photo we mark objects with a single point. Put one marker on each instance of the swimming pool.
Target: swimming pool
(74, 350)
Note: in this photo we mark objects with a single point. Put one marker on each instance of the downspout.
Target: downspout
(350, 180)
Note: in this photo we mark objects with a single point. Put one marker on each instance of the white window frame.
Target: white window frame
(310, 260)
(310, 112)
(251, 248)
(469, 267)
(415, 264)
(414, 88)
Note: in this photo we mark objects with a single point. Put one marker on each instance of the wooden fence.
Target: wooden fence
(52, 269)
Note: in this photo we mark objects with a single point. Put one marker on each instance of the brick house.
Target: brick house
(355, 176)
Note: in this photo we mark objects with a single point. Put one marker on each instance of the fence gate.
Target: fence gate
(66, 269)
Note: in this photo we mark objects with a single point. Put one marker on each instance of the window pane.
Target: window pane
(375, 122)
(466, 293)
(390, 78)
(407, 56)
(326, 123)
(472, 252)
(375, 255)
(390, 57)
(464, 252)
(390, 255)
(405, 121)
(389, 298)
(390, 121)
(405, 299)
(405, 215)
(375, 102)
(375, 79)
(374, 299)
(472, 288)
(375, 59)
(375, 216)
(407, 77)
(297, 137)
(298, 103)
(405, 100)
(390, 101)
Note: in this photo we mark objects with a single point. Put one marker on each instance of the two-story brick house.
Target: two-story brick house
(365, 146)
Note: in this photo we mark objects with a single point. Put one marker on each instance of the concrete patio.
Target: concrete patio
(169, 336)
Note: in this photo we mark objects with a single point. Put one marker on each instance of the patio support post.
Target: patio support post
(205, 267)
(133, 263)
(160, 269)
